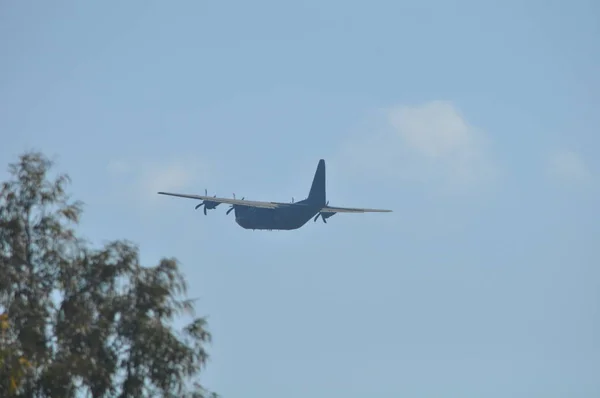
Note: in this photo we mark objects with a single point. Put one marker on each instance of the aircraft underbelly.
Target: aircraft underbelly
(269, 219)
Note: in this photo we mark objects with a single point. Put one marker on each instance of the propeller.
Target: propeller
(232, 206)
(324, 216)
(207, 203)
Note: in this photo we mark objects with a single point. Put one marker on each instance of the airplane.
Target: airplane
(259, 215)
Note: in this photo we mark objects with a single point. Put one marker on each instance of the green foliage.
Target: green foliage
(14, 364)
(86, 320)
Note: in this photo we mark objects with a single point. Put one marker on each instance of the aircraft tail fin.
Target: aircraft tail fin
(317, 190)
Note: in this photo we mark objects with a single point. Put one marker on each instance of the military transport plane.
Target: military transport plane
(277, 215)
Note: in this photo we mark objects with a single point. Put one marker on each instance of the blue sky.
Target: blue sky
(475, 121)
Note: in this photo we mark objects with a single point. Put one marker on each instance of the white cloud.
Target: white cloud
(427, 142)
(143, 179)
(568, 165)
(435, 130)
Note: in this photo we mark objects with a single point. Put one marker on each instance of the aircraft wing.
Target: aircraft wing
(329, 209)
(249, 203)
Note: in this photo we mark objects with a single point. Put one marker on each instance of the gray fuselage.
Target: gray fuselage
(288, 217)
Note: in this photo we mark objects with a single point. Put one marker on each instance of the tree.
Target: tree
(84, 320)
